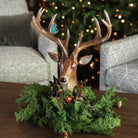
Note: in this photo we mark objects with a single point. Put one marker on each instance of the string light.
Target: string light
(95, 28)
(113, 39)
(117, 10)
(62, 4)
(115, 15)
(131, 24)
(73, 8)
(92, 65)
(53, 3)
(80, 0)
(73, 21)
(96, 59)
(115, 33)
(92, 31)
(46, 10)
(75, 45)
(56, 7)
(62, 25)
(119, 16)
(43, 21)
(62, 34)
(92, 77)
(123, 21)
(98, 72)
(125, 36)
(89, 2)
(90, 26)
(92, 19)
(83, 6)
(63, 17)
(87, 30)
(131, 5)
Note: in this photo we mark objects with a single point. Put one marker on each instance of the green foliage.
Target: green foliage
(89, 113)
(83, 11)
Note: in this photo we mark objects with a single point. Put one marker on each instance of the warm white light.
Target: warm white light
(92, 19)
(92, 31)
(73, 8)
(87, 30)
(130, 4)
(119, 16)
(89, 2)
(123, 21)
(63, 17)
(75, 45)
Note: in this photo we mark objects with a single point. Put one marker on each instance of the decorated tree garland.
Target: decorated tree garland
(68, 112)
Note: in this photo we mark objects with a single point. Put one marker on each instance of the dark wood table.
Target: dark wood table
(9, 128)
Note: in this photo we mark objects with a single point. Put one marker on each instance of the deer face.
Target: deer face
(68, 68)
(68, 64)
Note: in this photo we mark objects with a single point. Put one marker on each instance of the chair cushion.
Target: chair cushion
(22, 65)
(13, 7)
(16, 30)
(124, 77)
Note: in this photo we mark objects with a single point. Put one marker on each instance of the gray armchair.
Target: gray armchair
(119, 65)
(20, 62)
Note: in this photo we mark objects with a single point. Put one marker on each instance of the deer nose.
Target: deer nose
(63, 80)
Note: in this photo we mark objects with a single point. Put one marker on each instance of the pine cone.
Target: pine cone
(64, 134)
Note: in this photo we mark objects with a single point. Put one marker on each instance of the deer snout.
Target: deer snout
(63, 80)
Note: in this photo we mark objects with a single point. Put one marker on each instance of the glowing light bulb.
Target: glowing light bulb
(62, 25)
(89, 2)
(115, 33)
(125, 36)
(53, 3)
(92, 31)
(63, 17)
(119, 16)
(92, 77)
(123, 21)
(131, 5)
(62, 34)
(75, 45)
(92, 19)
(131, 24)
(98, 72)
(117, 10)
(56, 7)
(73, 21)
(46, 10)
(73, 8)
(115, 15)
(95, 28)
(43, 21)
(87, 30)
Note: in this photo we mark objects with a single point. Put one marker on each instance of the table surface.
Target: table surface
(9, 128)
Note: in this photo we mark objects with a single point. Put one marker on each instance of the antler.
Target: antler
(98, 38)
(62, 43)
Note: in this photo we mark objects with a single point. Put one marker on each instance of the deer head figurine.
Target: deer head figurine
(68, 63)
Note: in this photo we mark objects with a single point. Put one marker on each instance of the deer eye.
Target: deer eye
(73, 66)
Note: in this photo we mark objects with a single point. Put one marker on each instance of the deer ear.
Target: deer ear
(53, 56)
(85, 59)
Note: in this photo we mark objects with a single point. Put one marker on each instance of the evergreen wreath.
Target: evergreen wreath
(68, 112)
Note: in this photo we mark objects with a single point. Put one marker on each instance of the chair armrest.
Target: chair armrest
(44, 46)
(116, 53)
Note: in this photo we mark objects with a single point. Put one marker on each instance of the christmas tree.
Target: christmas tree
(78, 15)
